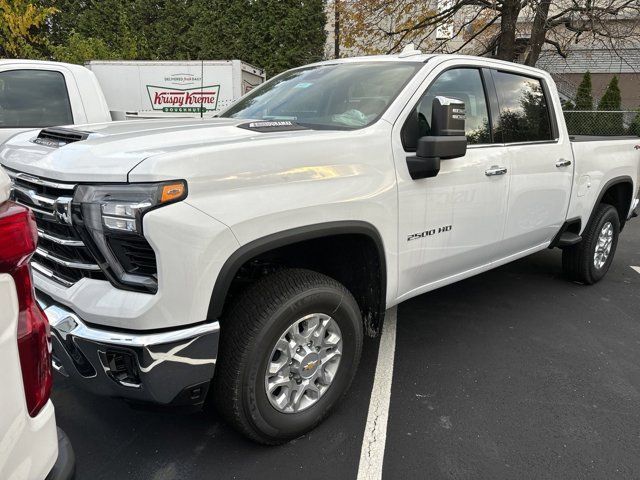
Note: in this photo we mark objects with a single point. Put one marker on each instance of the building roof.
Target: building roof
(626, 60)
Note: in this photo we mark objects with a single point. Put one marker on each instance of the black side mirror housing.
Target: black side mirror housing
(446, 141)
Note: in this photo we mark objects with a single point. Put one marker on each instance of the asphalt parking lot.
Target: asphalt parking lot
(515, 373)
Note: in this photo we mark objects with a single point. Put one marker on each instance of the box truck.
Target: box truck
(135, 89)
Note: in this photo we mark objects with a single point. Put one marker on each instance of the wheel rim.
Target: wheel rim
(303, 363)
(603, 246)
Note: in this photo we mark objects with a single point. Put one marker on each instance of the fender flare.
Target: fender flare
(603, 190)
(288, 237)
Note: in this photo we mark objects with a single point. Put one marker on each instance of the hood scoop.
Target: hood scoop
(56, 137)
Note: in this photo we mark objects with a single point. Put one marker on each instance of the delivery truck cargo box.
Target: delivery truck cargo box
(143, 89)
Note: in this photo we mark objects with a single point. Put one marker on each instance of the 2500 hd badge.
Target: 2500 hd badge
(428, 233)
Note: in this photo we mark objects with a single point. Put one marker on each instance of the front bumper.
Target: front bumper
(168, 367)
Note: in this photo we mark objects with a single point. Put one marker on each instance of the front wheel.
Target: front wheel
(589, 261)
(289, 350)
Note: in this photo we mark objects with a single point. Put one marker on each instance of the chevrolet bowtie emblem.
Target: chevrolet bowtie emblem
(310, 366)
(62, 209)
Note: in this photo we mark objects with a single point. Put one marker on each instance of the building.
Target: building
(589, 54)
(603, 65)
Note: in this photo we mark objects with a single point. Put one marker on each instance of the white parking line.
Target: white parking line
(637, 269)
(375, 433)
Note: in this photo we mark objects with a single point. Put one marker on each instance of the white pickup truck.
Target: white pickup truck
(242, 259)
(36, 93)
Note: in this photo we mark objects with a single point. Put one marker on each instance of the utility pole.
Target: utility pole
(336, 29)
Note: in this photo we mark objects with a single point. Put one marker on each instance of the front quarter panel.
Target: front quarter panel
(271, 183)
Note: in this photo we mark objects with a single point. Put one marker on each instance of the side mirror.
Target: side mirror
(447, 139)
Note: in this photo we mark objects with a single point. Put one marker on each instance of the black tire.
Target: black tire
(249, 333)
(578, 260)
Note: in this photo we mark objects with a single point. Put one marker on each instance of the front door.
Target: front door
(450, 225)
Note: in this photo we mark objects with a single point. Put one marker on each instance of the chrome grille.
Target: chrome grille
(61, 254)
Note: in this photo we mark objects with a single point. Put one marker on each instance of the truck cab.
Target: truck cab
(37, 94)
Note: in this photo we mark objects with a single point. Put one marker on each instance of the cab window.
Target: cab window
(524, 113)
(463, 84)
(33, 98)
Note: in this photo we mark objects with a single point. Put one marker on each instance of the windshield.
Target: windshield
(343, 95)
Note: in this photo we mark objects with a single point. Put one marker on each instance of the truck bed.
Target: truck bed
(599, 160)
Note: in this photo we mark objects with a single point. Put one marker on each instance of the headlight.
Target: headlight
(109, 218)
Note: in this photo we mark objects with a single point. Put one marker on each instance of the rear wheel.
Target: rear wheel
(589, 261)
(289, 350)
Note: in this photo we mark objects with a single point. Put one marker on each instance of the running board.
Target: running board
(568, 238)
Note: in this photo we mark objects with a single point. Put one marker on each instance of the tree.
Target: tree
(79, 49)
(286, 33)
(21, 28)
(104, 27)
(273, 34)
(584, 95)
(580, 120)
(634, 128)
(611, 123)
(162, 28)
(506, 29)
(611, 100)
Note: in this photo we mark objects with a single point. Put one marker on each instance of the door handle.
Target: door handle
(495, 170)
(563, 163)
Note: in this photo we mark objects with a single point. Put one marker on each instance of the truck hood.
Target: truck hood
(113, 149)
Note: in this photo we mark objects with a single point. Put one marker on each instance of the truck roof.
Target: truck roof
(416, 56)
(45, 63)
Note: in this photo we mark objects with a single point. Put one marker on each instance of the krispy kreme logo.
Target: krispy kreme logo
(183, 100)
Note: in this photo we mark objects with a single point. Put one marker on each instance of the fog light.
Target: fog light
(120, 367)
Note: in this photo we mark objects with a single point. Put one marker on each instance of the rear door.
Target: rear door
(540, 159)
(451, 225)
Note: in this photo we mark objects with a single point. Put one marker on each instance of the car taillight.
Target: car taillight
(18, 240)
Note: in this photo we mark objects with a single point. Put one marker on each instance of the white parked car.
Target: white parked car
(30, 448)
(244, 258)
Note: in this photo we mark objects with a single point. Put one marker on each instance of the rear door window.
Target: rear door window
(524, 112)
(33, 98)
